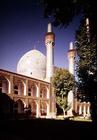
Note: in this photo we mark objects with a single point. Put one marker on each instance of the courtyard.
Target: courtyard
(47, 129)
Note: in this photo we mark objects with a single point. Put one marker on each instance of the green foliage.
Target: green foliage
(62, 102)
(62, 12)
(87, 68)
(63, 82)
(87, 61)
(87, 65)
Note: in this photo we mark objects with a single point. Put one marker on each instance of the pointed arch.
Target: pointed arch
(43, 108)
(4, 84)
(34, 108)
(32, 89)
(19, 106)
(43, 92)
(18, 86)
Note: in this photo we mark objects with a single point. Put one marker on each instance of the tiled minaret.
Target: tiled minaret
(49, 42)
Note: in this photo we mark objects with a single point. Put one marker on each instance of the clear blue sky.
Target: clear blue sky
(22, 26)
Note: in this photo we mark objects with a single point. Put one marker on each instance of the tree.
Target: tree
(63, 11)
(63, 82)
(87, 67)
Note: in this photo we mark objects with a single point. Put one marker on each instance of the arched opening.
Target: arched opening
(3, 84)
(19, 107)
(32, 89)
(43, 92)
(34, 107)
(15, 89)
(18, 87)
(43, 108)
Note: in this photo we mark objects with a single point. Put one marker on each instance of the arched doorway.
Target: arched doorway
(32, 89)
(43, 108)
(43, 92)
(3, 84)
(18, 86)
(34, 107)
(19, 107)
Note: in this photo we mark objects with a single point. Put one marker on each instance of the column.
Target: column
(11, 84)
(75, 105)
(80, 109)
(38, 90)
(25, 87)
(48, 109)
(84, 110)
(48, 93)
(38, 109)
(88, 109)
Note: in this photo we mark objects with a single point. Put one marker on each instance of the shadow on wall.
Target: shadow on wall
(9, 109)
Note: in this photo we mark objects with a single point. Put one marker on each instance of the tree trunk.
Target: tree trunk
(63, 112)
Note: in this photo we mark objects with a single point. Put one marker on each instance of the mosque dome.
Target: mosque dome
(32, 64)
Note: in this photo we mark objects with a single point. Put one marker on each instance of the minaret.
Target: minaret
(88, 29)
(49, 42)
(71, 58)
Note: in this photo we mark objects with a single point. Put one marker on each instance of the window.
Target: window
(16, 92)
(29, 91)
(29, 94)
(15, 89)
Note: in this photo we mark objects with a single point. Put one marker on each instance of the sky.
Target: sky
(23, 28)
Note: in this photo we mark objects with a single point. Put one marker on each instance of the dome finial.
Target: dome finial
(34, 47)
(37, 45)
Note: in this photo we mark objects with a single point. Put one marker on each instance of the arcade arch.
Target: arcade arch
(43, 108)
(32, 89)
(34, 108)
(4, 84)
(19, 106)
(18, 86)
(43, 92)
